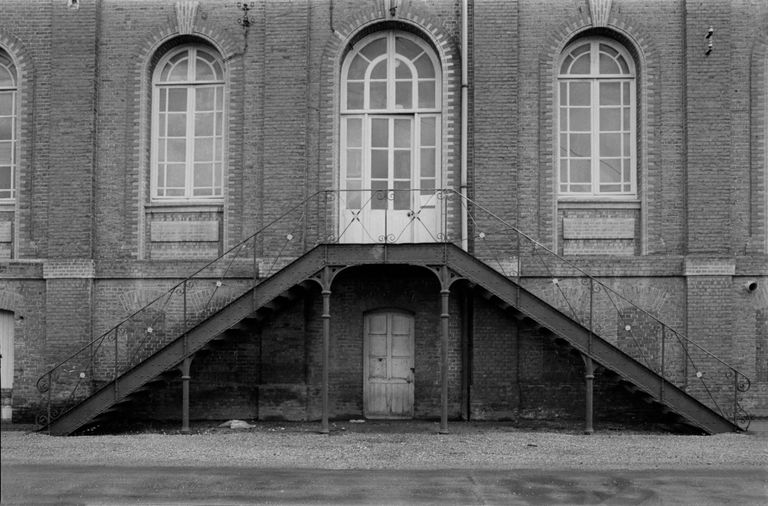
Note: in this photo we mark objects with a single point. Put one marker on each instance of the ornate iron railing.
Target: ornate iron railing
(604, 306)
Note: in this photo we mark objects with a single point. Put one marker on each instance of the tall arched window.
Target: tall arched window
(8, 98)
(188, 125)
(597, 130)
(390, 126)
(391, 115)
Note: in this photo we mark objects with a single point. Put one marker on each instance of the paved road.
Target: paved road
(75, 484)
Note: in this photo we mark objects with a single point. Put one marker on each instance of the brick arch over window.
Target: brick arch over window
(758, 181)
(22, 149)
(411, 19)
(648, 160)
(140, 114)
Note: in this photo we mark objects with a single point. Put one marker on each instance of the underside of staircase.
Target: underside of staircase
(523, 304)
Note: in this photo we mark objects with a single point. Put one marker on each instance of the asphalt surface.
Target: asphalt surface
(78, 484)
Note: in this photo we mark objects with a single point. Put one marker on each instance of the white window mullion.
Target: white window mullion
(190, 152)
(595, 132)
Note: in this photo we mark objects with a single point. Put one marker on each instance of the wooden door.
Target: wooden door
(389, 365)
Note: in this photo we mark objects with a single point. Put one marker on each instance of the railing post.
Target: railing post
(185, 377)
(114, 377)
(589, 376)
(326, 317)
(445, 291)
(663, 357)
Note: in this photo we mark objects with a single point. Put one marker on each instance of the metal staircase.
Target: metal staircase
(85, 387)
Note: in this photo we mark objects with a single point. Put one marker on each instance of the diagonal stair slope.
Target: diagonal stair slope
(345, 255)
(169, 357)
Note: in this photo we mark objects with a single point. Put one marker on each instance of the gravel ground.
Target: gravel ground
(388, 445)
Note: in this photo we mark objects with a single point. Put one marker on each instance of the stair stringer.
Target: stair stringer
(588, 343)
(171, 355)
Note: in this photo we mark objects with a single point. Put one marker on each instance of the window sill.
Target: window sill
(184, 206)
(582, 203)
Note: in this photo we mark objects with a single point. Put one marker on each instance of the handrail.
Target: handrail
(575, 267)
(332, 219)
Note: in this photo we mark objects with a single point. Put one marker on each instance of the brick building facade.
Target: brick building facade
(626, 139)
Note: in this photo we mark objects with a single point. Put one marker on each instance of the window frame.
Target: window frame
(595, 78)
(191, 87)
(14, 93)
(367, 114)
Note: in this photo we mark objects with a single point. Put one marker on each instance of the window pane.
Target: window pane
(608, 65)
(357, 68)
(626, 99)
(427, 186)
(175, 175)
(354, 198)
(610, 188)
(610, 145)
(379, 70)
(563, 93)
(5, 153)
(563, 119)
(204, 99)
(623, 65)
(610, 170)
(203, 150)
(402, 133)
(161, 150)
(177, 125)
(424, 67)
(179, 72)
(177, 150)
(610, 119)
(7, 74)
(354, 95)
(354, 162)
(428, 131)
(427, 94)
(625, 143)
(402, 163)
(5, 181)
(378, 96)
(375, 48)
(581, 145)
(580, 119)
(627, 169)
(407, 48)
(403, 92)
(579, 94)
(379, 133)
(379, 164)
(625, 118)
(610, 94)
(401, 70)
(581, 65)
(177, 99)
(427, 162)
(379, 196)
(402, 195)
(354, 132)
(203, 175)
(563, 144)
(581, 171)
(204, 71)
(6, 128)
(204, 124)
(6, 103)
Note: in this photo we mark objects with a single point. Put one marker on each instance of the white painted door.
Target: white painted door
(392, 159)
(389, 365)
(6, 363)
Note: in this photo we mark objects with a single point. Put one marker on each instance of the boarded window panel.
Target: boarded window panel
(6, 349)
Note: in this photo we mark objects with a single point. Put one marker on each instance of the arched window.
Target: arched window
(597, 125)
(188, 125)
(390, 122)
(8, 98)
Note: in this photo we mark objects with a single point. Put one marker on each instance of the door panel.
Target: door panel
(388, 366)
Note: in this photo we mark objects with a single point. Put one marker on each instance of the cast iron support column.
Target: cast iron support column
(445, 290)
(589, 375)
(185, 377)
(326, 316)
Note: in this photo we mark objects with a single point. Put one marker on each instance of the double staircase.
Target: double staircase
(519, 274)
